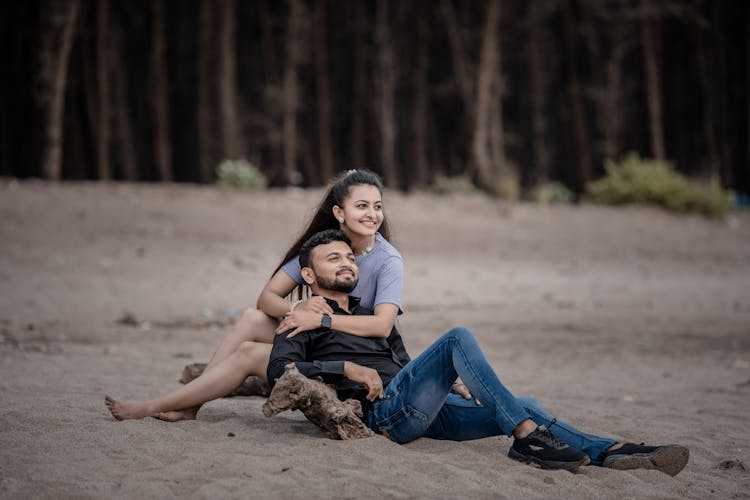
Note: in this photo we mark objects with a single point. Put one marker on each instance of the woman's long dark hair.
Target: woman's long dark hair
(324, 218)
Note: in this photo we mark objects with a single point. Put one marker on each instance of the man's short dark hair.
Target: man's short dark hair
(321, 238)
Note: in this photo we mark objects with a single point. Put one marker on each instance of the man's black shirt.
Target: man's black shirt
(322, 352)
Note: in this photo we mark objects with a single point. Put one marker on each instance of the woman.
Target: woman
(353, 204)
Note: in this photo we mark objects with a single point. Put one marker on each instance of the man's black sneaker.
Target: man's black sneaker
(542, 448)
(670, 459)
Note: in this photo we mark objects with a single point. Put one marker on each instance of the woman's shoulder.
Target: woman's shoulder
(385, 246)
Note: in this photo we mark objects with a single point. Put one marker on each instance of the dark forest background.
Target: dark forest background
(528, 91)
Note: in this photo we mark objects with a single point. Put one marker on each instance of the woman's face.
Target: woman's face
(362, 212)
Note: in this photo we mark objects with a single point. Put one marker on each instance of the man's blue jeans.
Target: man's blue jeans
(418, 402)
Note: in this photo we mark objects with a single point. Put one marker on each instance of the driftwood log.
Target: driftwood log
(318, 402)
(252, 386)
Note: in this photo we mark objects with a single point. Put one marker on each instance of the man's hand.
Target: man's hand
(463, 391)
(299, 321)
(314, 304)
(365, 376)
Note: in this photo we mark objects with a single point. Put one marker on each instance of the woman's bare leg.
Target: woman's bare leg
(249, 358)
(253, 325)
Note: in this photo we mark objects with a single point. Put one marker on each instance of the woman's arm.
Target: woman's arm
(377, 325)
(272, 299)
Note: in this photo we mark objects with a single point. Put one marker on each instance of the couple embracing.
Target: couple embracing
(345, 333)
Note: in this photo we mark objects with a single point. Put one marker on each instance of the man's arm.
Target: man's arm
(366, 376)
(296, 350)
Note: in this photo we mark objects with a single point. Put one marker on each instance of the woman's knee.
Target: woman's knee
(248, 350)
(255, 325)
(252, 316)
(251, 358)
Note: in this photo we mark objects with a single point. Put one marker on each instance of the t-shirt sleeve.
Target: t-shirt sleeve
(390, 283)
(293, 269)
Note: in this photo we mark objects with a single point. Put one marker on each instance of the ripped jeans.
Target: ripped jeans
(418, 402)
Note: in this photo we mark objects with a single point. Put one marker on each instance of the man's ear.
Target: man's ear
(308, 275)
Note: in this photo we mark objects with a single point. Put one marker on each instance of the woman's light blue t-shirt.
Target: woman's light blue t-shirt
(381, 275)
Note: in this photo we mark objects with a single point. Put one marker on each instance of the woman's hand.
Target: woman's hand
(299, 321)
(314, 304)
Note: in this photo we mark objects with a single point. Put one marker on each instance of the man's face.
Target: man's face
(334, 267)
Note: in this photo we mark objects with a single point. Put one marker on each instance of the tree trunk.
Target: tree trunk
(421, 100)
(205, 85)
(480, 147)
(583, 148)
(359, 92)
(291, 91)
(747, 99)
(705, 77)
(607, 94)
(233, 147)
(723, 87)
(327, 162)
(268, 42)
(385, 79)
(57, 42)
(103, 83)
(653, 84)
(458, 56)
(160, 98)
(610, 114)
(319, 403)
(538, 91)
(271, 113)
(90, 92)
(126, 146)
(497, 131)
(461, 71)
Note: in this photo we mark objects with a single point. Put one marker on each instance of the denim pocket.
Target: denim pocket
(404, 425)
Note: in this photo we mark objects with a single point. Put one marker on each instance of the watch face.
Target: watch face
(326, 322)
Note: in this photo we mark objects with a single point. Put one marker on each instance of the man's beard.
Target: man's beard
(336, 284)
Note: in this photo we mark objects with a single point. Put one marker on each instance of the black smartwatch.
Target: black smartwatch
(326, 321)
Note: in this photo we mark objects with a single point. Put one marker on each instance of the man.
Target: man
(406, 399)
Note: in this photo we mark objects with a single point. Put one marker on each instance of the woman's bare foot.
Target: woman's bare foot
(124, 411)
(177, 415)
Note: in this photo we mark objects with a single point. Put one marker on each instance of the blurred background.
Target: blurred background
(509, 96)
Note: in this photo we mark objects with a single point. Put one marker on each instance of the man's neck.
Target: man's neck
(341, 298)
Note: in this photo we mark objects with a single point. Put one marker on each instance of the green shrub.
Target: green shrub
(509, 187)
(451, 185)
(506, 187)
(554, 193)
(644, 181)
(240, 174)
(713, 201)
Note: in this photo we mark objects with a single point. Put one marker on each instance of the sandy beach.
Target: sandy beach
(632, 323)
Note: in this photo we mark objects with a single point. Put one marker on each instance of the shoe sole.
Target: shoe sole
(547, 464)
(667, 459)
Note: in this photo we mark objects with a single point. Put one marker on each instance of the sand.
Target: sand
(632, 323)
